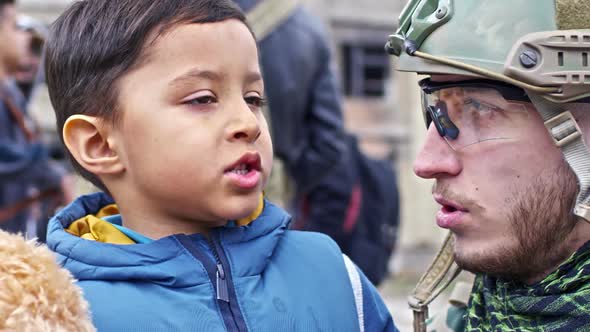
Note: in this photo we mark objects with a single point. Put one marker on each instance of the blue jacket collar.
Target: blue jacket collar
(249, 248)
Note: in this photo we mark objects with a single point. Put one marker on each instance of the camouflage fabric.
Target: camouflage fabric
(560, 302)
(572, 14)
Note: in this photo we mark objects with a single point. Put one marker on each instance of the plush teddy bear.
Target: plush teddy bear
(36, 294)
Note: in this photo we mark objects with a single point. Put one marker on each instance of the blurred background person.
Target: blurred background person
(30, 79)
(336, 189)
(29, 76)
(27, 177)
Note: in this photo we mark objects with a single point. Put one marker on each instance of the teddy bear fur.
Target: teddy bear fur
(36, 294)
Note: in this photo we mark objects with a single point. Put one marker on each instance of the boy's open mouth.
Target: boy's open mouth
(247, 163)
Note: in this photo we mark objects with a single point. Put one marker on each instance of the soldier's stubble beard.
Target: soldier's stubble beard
(541, 220)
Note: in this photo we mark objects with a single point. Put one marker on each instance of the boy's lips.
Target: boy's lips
(245, 173)
(251, 161)
(450, 214)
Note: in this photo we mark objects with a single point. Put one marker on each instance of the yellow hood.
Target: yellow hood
(93, 228)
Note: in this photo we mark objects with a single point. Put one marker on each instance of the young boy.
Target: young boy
(160, 103)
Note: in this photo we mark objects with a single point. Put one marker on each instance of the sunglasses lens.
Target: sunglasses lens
(465, 116)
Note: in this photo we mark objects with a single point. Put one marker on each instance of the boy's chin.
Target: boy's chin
(243, 207)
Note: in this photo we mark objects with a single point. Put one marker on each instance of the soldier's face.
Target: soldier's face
(507, 201)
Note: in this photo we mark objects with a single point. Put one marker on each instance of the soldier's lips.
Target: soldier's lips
(451, 213)
(446, 218)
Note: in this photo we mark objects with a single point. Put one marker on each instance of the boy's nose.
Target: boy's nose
(436, 158)
(244, 126)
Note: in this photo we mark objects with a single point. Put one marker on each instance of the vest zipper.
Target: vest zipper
(220, 277)
(224, 285)
(219, 272)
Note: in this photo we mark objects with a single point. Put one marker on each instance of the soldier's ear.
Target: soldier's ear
(91, 142)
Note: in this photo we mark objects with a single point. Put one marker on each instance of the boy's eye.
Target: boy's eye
(202, 100)
(255, 101)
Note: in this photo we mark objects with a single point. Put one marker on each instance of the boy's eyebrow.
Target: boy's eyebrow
(191, 75)
(195, 74)
(253, 77)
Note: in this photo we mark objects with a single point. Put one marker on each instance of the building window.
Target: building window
(365, 70)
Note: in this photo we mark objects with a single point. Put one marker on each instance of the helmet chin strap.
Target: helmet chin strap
(440, 274)
(568, 136)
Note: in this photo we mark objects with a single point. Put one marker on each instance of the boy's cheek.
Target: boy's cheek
(271, 164)
(268, 164)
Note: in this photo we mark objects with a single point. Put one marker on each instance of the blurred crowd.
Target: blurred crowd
(34, 181)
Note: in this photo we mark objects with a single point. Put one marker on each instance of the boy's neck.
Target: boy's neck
(156, 227)
(149, 218)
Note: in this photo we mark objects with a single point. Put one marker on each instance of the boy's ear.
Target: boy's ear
(89, 141)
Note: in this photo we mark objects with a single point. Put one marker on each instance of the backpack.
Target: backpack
(373, 236)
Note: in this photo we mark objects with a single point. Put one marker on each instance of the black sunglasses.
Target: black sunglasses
(438, 113)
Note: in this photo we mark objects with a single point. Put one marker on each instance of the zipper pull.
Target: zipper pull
(222, 292)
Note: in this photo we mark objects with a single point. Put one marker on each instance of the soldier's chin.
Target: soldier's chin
(479, 263)
(498, 266)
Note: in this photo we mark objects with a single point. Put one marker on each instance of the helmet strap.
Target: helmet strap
(567, 135)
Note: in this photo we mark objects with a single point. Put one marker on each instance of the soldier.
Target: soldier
(506, 105)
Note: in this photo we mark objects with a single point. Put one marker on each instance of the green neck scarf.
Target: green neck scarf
(560, 302)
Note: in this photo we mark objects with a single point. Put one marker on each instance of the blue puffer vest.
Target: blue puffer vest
(260, 277)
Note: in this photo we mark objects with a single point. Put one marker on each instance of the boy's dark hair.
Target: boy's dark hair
(96, 42)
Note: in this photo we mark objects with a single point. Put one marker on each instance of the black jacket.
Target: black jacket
(304, 99)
